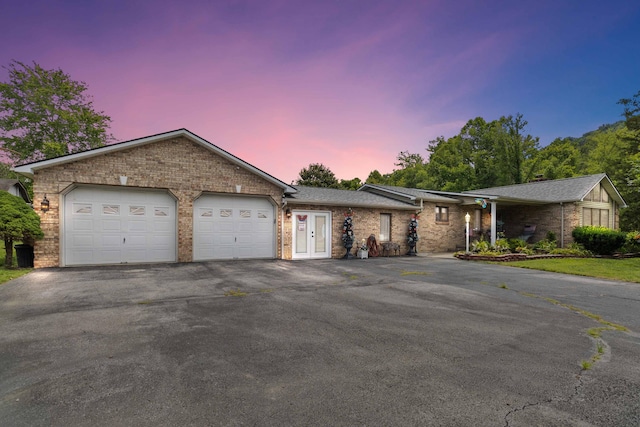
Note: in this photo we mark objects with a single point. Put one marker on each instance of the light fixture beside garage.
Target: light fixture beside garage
(288, 213)
(44, 206)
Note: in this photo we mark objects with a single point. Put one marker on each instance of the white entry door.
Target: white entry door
(105, 225)
(311, 234)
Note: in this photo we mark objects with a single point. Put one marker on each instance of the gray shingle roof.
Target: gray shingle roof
(553, 191)
(347, 198)
(410, 193)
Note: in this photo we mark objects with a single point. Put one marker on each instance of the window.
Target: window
(111, 209)
(385, 227)
(160, 211)
(593, 216)
(442, 214)
(136, 210)
(81, 208)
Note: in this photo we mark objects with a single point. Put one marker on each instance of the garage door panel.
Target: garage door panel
(111, 225)
(239, 225)
(118, 225)
(82, 225)
(139, 225)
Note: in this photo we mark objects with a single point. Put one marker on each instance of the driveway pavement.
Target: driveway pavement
(385, 341)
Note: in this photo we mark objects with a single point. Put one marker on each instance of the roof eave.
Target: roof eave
(29, 169)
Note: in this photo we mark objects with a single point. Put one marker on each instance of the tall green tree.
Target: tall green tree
(560, 159)
(317, 175)
(350, 184)
(44, 114)
(18, 222)
(631, 111)
(515, 152)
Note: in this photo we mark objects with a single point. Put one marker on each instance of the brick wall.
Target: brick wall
(434, 237)
(545, 217)
(366, 221)
(441, 236)
(179, 165)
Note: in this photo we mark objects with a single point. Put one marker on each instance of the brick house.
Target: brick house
(175, 197)
(556, 206)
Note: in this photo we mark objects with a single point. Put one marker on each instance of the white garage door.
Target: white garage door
(233, 227)
(113, 226)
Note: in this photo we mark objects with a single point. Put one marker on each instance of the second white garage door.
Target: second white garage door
(233, 227)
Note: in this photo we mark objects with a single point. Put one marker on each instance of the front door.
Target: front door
(311, 234)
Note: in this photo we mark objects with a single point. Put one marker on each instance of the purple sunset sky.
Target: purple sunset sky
(282, 84)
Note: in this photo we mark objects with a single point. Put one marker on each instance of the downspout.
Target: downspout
(561, 225)
(494, 222)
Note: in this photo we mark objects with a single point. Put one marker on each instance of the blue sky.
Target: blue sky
(349, 84)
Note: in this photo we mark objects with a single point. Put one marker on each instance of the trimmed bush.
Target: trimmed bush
(599, 240)
(632, 243)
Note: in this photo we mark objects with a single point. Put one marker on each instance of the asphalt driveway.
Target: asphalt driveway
(386, 341)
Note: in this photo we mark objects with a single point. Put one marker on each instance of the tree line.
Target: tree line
(501, 152)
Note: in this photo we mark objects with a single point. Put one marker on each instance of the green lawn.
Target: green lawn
(627, 269)
(8, 274)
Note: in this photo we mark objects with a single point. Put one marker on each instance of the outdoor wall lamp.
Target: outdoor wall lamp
(44, 206)
(288, 213)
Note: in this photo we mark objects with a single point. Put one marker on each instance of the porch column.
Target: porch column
(494, 223)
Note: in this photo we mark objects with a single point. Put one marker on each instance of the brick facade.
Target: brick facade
(434, 237)
(180, 166)
(545, 217)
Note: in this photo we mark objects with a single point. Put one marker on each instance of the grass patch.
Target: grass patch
(235, 293)
(145, 302)
(586, 365)
(350, 276)
(626, 269)
(414, 273)
(503, 286)
(266, 291)
(7, 274)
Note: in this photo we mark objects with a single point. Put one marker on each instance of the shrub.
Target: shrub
(514, 244)
(599, 240)
(551, 236)
(545, 245)
(631, 243)
(502, 245)
(480, 246)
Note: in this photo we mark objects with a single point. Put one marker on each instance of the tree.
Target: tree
(560, 159)
(350, 184)
(632, 111)
(18, 222)
(44, 114)
(317, 175)
(376, 177)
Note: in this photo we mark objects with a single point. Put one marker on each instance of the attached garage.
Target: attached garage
(118, 225)
(170, 197)
(233, 227)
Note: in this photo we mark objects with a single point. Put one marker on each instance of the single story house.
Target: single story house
(15, 187)
(175, 197)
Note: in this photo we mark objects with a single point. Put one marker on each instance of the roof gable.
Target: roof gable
(28, 169)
